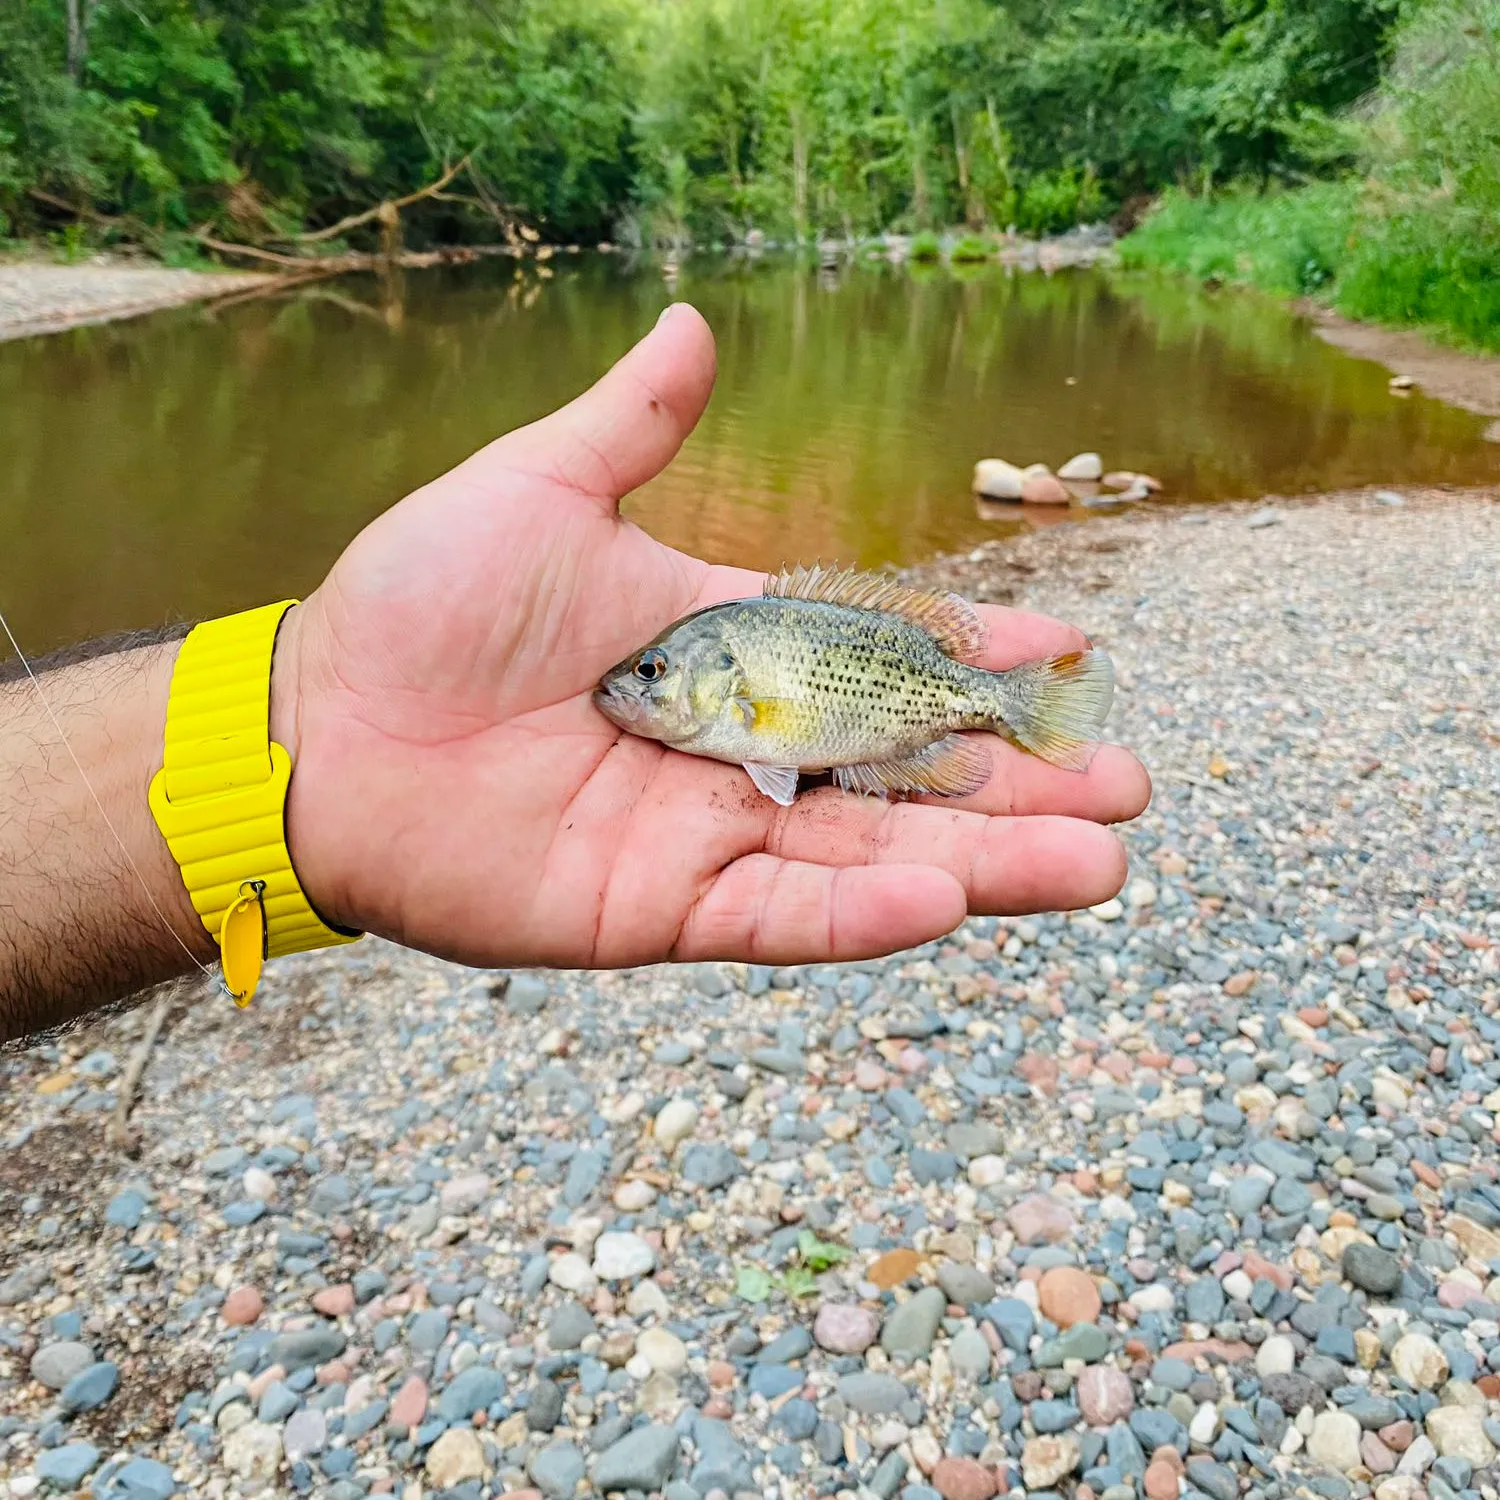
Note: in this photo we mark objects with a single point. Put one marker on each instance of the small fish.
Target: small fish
(852, 673)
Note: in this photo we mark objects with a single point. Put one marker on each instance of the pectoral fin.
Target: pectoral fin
(950, 767)
(779, 783)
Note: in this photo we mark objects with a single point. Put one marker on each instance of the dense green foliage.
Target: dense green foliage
(1415, 237)
(667, 118)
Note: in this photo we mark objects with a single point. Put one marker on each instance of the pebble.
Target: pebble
(1247, 1105)
(641, 1460)
(1046, 1461)
(1105, 1395)
(65, 1468)
(1334, 1441)
(54, 1365)
(1419, 1361)
(458, 1455)
(843, 1328)
(912, 1325)
(90, 1387)
(1068, 1296)
(963, 1479)
(675, 1122)
(620, 1256)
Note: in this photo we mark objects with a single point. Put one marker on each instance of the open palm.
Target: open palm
(457, 791)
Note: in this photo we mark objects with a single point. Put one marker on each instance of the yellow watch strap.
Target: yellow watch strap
(220, 796)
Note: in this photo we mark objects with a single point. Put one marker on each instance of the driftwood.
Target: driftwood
(382, 211)
(357, 260)
(118, 1132)
(294, 267)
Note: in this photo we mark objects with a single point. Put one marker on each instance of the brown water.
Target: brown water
(203, 460)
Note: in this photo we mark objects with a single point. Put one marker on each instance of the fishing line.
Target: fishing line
(89, 786)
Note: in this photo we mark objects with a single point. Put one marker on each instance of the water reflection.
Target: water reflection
(205, 459)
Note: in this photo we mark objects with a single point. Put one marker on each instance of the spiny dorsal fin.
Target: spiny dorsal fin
(952, 622)
(953, 766)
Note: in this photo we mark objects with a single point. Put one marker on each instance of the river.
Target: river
(197, 461)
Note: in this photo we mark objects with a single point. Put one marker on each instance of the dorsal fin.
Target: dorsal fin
(952, 622)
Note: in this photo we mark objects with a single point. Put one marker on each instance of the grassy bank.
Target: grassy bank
(1329, 241)
(1412, 238)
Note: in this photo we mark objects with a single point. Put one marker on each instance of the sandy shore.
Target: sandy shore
(1194, 1193)
(36, 297)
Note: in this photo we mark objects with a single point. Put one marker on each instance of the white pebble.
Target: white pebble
(1276, 1356)
(260, 1184)
(675, 1121)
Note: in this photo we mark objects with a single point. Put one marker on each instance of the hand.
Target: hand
(456, 790)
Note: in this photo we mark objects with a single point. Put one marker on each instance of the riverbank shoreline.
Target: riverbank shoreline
(397, 1192)
(39, 297)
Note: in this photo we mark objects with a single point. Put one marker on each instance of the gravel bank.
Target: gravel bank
(1195, 1194)
(39, 298)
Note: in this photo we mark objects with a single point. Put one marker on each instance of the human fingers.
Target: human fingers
(1008, 866)
(777, 911)
(1115, 788)
(627, 426)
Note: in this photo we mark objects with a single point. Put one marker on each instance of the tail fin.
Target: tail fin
(1056, 708)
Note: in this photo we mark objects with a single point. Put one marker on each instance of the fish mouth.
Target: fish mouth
(623, 709)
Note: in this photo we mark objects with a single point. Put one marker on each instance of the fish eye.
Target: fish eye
(726, 662)
(651, 665)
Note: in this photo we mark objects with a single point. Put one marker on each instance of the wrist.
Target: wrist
(290, 678)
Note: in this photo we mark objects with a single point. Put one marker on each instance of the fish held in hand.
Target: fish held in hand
(855, 674)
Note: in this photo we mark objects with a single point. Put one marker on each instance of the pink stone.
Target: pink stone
(869, 1076)
(1456, 1294)
(335, 1301)
(410, 1405)
(1040, 1220)
(1161, 1481)
(1378, 1458)
(264, 1381)
(1038, 1069)
(843, 1328)
(242, 1306)
(963, 1479)
(1104, 1395)
(911, 1061)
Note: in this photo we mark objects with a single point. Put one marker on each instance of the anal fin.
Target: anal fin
(779, 783)
(950, 767)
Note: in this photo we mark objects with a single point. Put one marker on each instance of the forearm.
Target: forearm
(86, 918)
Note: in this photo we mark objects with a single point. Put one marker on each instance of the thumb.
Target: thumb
(628, 426)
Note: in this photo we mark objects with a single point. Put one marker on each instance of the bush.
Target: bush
(925, 248)
(1288, 242)
(970, 249)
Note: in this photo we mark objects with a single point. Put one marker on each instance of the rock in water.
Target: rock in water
(1044, 489)
(1084, 467)
(997, 480)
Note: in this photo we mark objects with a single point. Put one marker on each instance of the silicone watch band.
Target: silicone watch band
(220, 796)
